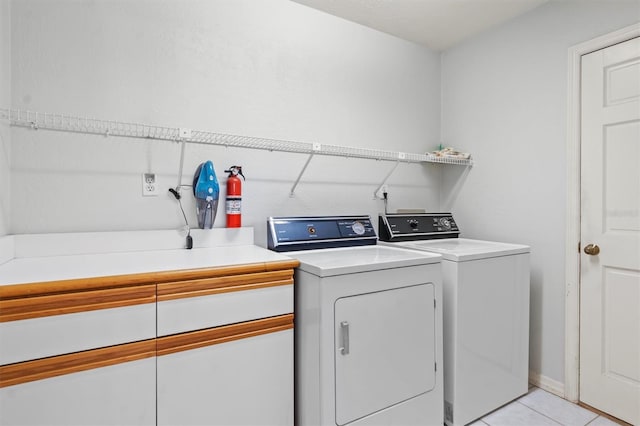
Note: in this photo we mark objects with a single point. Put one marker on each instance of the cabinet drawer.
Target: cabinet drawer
(212, 302)
(47, 319)
(60, 334)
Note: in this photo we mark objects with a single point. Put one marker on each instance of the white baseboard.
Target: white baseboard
(546, 383)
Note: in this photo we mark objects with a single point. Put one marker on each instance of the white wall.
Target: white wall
(504, 99)
(269, 68)
(5, 101)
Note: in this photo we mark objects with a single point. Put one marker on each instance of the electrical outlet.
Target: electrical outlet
(149, 185)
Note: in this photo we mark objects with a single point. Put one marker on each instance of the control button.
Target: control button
(311, 230)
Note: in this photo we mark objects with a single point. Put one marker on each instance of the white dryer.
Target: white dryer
(368, 325)
(486, 312)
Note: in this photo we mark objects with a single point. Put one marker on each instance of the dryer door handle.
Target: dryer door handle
(344, 332)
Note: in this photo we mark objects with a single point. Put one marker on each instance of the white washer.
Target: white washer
(486, 312)
(368, 325)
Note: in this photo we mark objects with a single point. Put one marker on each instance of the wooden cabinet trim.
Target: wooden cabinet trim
(221, 271)
(80, 301)
(35, 300)
(28, 371)
(17, 291)
(14, 291)
(225, 284)
(213, 336)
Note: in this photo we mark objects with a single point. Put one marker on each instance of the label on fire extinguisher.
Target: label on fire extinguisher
(234, 205)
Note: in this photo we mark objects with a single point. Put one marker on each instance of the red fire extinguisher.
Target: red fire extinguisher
(234, 197)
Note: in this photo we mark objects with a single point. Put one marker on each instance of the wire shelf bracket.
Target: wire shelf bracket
(386, 178)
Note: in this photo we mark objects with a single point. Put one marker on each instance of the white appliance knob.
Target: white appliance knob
(445, 223)
(358, 228)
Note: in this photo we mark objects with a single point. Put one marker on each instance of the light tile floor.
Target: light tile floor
(541, 408)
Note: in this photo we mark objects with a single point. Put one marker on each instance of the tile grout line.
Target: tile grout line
(592, 421)
(542, 414)
(484, 420)
(574, 404)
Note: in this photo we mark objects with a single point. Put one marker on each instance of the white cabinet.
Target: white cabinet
(202, 346)
(225, 348)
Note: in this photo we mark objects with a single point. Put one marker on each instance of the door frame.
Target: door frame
(572, 236)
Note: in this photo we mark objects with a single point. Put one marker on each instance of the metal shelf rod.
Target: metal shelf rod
(304, 168)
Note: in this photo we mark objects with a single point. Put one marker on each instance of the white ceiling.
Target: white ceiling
(437, 24)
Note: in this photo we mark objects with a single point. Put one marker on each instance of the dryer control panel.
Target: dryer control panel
(418, 226)
(305, 233)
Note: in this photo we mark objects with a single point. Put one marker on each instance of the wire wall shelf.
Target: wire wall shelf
(77, 124)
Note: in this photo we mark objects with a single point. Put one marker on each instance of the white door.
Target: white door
(385, 349)
(610, 231)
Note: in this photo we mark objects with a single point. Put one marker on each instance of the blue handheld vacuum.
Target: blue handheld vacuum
(207, 191)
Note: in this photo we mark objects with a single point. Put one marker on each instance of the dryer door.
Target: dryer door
(384, 349)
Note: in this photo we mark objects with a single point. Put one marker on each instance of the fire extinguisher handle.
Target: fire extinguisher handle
(235, 170)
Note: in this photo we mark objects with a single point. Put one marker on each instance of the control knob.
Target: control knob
(413, 223)
(358, 228)
(445, 223)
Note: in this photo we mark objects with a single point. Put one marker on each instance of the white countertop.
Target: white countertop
(128, 255)
(54, 268)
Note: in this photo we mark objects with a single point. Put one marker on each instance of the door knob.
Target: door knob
(592, 249)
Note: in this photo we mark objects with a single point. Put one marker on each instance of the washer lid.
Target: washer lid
(462, 249)
(350, 260)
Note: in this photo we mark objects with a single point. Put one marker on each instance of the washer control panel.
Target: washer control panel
(304, 233)
(420, 226)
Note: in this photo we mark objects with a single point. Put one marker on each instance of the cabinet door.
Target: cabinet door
(119, 394)
(384, 349)
(234, 375)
